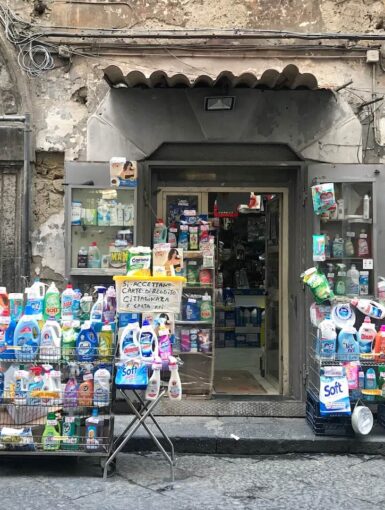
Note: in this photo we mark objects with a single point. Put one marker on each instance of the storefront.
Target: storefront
(207, 148)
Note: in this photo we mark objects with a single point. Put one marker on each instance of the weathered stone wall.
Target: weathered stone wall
(64, 98)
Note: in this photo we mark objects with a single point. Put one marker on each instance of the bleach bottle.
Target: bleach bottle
(174, 384)
(50, 341)
(87, 344)
(148, 340)
(348, 348)
(102, 378)
(27, 336)
(129, 347)
(153, 387)
(366, 335)
(326, 339)
(67, 299)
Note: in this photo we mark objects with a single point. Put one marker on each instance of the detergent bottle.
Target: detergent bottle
(129, 347)
(71, 388)
(160, 232)
(76, 310)
(153, 387)
(370, 308)
(206, 309)
(6, 351)
(96, 316)
(71, 432)
(164, 341)
(102, 378)
(52, 303)
(21, 386)
(348, 348)
(86, 388)
(35, 386)
(326, 339)
(87, 343)
(69, 337)
(51, 434)
(51, 389)
(1, 384)
(67, 300)
(174, 384)
(147, 339)
(379, 344)
(109, 305)
(86, 303)
(50, 341)
(366, 336)
(94, 432)
(106, 343)
(27, 336)
(16, 305)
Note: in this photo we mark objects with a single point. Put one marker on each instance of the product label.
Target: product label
(334, 396)
(146, 339)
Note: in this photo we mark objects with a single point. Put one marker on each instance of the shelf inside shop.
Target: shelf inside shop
(184, 323)
(197, 287)
(224, 308)
(248, 329)
(193, 254)
(225, 328)
(346, 258)
(368, 221)
(76, 271)
(181, 353)
(84, 226)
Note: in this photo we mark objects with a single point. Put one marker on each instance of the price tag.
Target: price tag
(350, 234)
(367, 264)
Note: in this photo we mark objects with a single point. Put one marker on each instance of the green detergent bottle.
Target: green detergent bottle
(51, 435)
(71, 430)
(52, 304)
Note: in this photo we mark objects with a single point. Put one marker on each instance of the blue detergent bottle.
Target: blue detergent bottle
(87, 343)
(27, 336)
(348, 348)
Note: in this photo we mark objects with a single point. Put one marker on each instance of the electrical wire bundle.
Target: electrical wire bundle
(33, 58)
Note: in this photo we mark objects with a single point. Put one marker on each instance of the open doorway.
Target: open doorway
(247, 355)
(249, 341)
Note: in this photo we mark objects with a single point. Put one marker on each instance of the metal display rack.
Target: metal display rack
(137, 295)
(23, 420)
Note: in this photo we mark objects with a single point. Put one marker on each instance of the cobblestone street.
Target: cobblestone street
(210, 482)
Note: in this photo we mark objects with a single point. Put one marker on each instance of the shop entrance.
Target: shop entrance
(251, 243)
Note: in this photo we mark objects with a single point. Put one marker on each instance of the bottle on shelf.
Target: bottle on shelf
(206, 310)
(71, 432)
(50, 341)
(353, 281)
(363, 246)
(52, 303)
(27, 336)
(82, 262)
(102, 378)
(87, 343)
(366, 335)
(160, 232)
(153, 387)
(67, 299)
(349, 247)
(366, 207)
(51, 434)
(94, 432)
(340, 282)
(96, 316)
(94, 257)
(338, 247)
(174, 384)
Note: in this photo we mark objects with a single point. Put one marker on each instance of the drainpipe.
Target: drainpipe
(26, 195)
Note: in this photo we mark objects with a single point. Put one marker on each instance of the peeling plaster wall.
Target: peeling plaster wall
(64, 99)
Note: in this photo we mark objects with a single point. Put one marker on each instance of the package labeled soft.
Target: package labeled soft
(323, 197)
(334, 392)
(318, 284)
(132, 374)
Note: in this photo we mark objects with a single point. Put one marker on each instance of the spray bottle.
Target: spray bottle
(109, 308)
(71, 388)
(174, 384)
(153, 387)
(96, 316)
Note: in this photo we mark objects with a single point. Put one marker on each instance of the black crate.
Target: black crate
(381, 414)
(336, 425)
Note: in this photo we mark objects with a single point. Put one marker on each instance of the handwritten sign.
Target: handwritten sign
(149, 296)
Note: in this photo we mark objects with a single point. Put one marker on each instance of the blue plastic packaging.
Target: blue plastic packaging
(132, 374)
(348, 348)
(334, 392)
(6, 350)
(27, 336)
(87, 343)
(192, 310)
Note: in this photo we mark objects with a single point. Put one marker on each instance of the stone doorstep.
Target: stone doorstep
(253, 436)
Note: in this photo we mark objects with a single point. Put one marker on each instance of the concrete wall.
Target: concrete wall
(63, 100)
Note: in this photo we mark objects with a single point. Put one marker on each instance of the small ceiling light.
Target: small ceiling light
(214, 104)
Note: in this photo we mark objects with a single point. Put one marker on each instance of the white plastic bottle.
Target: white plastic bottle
(67, 299)
(96, 315)
(370, 308)
(366, 335)
(326, 339)
(153, 387)
(50, 341)
(147, 339)
(102, 378)
(174, 384)
(353, 281)
(21, 386)
(129, 347)
(94, 257)
(366, 207)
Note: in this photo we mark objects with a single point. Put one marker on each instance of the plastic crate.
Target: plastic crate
(335, 425)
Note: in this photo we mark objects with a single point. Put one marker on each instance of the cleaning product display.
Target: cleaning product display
(346, 364)
(55, 368)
